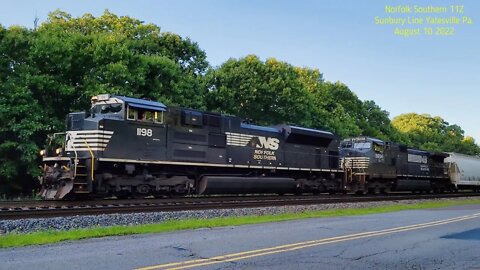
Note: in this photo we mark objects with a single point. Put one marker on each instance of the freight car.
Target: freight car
(464, 171)
(133, 146)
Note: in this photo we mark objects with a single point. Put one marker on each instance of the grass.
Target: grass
(33, 196)
(47, 237)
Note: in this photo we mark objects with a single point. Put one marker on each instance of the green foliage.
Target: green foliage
(20, 129)
(266, 92)
(433, 133)
(348, 116)
(342, 108)
(375, 122)
(110, 54)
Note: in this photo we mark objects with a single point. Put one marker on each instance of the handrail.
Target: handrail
(93, 159)
(75, 161)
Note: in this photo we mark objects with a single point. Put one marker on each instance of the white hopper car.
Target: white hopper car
(464, 171)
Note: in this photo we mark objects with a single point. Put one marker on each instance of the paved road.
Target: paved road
(423, 239)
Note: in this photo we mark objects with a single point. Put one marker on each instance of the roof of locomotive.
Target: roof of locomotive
(364, 139)
(142, 103)
(260, 128)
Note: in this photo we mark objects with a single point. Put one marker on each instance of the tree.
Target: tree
(23, 124)
(433, 133)
(270, 92)
(375, 122)
(110, 54)
(347, 115)
(341, 106)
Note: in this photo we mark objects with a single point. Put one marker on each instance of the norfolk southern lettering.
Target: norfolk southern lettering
(415, 9)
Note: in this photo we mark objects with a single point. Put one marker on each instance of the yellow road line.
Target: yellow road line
(301, 245)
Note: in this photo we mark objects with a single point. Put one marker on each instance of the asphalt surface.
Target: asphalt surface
(446, 238)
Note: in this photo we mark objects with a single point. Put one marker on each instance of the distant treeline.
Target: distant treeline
(52, 70)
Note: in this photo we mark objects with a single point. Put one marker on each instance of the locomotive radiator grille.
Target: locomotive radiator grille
(80, 140)
(238, 139)
(354, 162)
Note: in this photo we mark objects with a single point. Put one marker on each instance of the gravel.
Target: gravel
(88, 221)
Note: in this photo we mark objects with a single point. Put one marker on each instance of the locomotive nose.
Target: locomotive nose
(56, 181)
(346, 152)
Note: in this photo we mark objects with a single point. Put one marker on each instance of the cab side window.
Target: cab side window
(132, 113)
(148, 116)
(158, 117)
(378, 148)
(144, 115)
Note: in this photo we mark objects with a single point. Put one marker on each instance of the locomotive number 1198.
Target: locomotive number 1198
(145, 132)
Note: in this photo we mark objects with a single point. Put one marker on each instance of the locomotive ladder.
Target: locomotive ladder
(83, 172)
(81, 181)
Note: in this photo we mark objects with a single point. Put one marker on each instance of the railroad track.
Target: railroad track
(43, 209)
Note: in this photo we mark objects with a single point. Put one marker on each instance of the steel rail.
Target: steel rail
(44, 209)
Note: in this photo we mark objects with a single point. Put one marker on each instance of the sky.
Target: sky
(437, 75)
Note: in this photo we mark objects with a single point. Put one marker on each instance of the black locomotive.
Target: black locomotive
(376, 166)
(134, 146)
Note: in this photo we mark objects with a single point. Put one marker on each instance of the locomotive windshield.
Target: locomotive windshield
(346, 144)
(106, 108)
(362, 145)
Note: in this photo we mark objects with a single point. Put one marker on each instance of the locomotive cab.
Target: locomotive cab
(362, 152)
(106, 106)
(89, 138)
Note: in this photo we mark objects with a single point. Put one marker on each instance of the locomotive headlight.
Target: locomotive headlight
(58, 151)
(42, 152)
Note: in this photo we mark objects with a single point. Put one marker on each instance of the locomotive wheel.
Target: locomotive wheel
(143, 189)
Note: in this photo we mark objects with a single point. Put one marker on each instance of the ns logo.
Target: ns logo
(265, 142)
